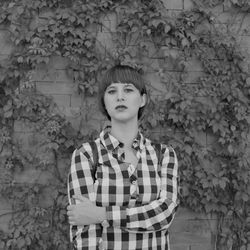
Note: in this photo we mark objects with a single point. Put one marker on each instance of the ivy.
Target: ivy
(207, 122)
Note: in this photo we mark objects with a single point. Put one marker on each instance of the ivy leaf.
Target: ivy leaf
(11, 5)
(184, 42)
(8, 114)
(21, 243)
(248, 119)
(53, 145)
(245, 197)
(169, 95)
(8, 109)
(192, 37)
(167, 28)
(210, 207)
(235, 1)
(205, 183)
(216, 127)
(65, 15)
(248, 82)
(223, 209)
(10, 242)
(28, 240)
(2, 245)
(20, 59)
(222, 183)
(230, 149)
(20, 10)
(88, 43)
(156, 22)
(16, 233)
(134, 29)
(188, 149)
(72, 18)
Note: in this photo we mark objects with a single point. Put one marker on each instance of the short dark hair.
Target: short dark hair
(121, 74)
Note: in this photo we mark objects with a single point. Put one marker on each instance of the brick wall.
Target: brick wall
(190, 231)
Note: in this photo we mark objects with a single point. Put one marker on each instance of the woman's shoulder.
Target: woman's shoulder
(87, 147)
(159, 145)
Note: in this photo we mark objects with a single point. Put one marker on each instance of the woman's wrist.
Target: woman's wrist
(101, 214)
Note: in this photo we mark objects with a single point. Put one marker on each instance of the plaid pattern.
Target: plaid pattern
(140, 203)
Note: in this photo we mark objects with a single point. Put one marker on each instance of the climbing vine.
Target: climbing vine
(205, 119)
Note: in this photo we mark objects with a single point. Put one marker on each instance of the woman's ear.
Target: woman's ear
(144, 100)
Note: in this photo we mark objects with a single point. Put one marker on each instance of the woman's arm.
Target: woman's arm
(158, 214)
(155, 216)
(85, 212)
(80, 183)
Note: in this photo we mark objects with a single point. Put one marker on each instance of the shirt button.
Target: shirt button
(105, 223)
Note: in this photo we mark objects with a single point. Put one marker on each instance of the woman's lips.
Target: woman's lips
(120, 107)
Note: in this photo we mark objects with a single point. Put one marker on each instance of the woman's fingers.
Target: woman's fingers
(78, 214)
(81, 198)
(69, 213)
(72, 222)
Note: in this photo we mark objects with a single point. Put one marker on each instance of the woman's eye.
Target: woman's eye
(111, 91)
(129, 90)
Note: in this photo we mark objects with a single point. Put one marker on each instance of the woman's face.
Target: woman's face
(122, 101)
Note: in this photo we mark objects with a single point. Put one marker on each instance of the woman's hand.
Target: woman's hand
(85, 212)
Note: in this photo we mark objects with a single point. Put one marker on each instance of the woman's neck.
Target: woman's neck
(124, 132)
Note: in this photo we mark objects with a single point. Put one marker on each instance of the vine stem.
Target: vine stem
(58, 174)
(13, 212)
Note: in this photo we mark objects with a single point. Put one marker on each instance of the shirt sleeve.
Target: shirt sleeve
(80, 182)
(158, 214)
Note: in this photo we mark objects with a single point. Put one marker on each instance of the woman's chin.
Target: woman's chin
(123, 119)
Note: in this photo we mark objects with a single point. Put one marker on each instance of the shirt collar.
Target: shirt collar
(139, 142)
(111, 143)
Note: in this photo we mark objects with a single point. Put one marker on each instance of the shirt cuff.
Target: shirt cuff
(116, 216)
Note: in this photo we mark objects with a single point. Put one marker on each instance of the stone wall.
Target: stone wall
(189, 231)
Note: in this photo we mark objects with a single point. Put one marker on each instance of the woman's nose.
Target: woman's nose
(120, 95)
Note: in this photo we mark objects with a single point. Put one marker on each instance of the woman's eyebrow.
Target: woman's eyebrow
(110, 86)
(129, 85)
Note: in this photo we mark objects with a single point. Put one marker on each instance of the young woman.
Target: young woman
(129, 199)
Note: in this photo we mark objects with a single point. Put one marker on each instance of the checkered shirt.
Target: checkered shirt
(140, 201)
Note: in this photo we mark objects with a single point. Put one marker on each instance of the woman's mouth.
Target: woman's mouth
(120, 107)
